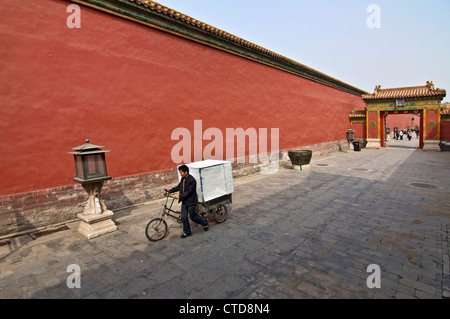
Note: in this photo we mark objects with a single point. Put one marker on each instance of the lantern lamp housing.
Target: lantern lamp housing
(350, 135)
(90, 163)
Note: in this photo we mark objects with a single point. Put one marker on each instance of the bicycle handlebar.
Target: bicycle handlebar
(167, 194)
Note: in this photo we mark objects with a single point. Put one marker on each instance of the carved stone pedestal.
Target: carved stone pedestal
(96, 220)
(94, 225)
(350, 148)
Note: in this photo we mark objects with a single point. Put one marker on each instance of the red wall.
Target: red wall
(445, 130)
(360, 130)
(128, 86)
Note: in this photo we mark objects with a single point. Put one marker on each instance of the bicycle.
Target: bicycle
(158, 228)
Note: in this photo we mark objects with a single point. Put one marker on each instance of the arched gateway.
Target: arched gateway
(422, 100)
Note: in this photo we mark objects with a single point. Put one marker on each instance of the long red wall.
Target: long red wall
(128, 86)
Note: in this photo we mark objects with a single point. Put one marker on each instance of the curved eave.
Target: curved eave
(157, 16)
(373, 100)
(438, 94)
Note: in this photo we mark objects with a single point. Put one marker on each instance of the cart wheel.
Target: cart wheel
(220, 214)
(156, 229)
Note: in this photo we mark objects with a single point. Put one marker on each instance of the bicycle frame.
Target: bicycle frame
(167, 210)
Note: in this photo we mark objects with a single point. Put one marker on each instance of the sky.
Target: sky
(394, 43)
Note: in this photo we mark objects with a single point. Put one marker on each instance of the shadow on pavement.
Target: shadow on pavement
(290, 235)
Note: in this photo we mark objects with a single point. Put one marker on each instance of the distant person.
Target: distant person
(417, 133)
(188, 197)
(401, 135)
(409, 135)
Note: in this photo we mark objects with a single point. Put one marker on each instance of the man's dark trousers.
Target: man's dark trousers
(191, 211)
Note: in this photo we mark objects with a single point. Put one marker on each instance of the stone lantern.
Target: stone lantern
(90, 167)
(350, 138)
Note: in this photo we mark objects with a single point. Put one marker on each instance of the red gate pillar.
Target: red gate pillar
(383, 116)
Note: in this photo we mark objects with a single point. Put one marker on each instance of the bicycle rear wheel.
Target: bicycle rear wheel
(220, 213)
(156, 229)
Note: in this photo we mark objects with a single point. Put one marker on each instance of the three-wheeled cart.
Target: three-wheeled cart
(214, 191)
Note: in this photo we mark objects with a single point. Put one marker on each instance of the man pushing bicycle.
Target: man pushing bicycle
(188, 198)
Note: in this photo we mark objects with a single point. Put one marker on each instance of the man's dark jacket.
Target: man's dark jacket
(188, 191)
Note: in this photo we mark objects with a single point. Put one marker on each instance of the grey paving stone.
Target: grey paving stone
(288, 235)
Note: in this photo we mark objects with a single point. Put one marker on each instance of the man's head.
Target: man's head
(184, 171)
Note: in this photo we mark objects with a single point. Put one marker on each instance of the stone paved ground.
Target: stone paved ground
(291, 235)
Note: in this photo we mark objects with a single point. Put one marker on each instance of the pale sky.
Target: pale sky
(407, 46)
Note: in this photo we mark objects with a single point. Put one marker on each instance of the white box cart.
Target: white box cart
(214, 187)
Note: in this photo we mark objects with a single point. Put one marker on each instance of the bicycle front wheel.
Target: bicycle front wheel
(156, 229)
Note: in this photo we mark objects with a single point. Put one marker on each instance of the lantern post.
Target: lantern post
(350, 135)
(90, 168)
